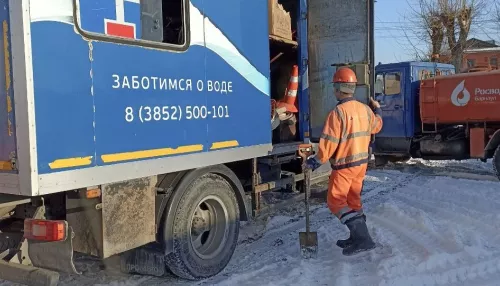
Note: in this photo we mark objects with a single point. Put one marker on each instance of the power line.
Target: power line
(473, 21)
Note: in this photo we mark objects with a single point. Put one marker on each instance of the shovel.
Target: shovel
(308, 240)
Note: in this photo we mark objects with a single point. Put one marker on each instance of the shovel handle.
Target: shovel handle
(306, 150)
(307, 194)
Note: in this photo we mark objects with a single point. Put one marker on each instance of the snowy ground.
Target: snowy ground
(435, 228)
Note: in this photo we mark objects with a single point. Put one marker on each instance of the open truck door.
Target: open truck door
(339, 32)
(7, 121)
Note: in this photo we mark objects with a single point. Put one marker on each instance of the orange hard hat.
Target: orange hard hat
(344, 75)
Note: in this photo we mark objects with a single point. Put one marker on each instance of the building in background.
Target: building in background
(479, 55)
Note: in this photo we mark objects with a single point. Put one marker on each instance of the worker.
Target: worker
(345, 142)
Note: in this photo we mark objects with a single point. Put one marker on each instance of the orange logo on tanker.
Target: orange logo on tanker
(460, 95)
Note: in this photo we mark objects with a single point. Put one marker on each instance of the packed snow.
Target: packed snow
(436, 223)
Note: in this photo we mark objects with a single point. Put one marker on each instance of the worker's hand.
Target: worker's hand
(311, 163)
(305, 151)
(374, 104)
(304, 154)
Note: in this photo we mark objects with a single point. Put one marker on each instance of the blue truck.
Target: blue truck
(396, 89)
(143, 130)
(432, 113)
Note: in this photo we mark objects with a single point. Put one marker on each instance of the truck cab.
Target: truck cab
(397, 91)
(431, 113)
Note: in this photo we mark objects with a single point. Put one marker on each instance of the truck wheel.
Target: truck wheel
(496, 162)
(206, 228)
(399, 159)
(381, 160)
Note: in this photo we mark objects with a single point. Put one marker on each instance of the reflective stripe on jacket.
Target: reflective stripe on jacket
(346, 134)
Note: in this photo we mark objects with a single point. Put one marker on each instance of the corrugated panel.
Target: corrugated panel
(338, 33)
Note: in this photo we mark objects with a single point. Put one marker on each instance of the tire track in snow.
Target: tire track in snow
(436, 168)
(408, 235)
(436, 267)
(460, 268)
(479, 269)
(401, 181)
(457, 217)
(461, 199)
(424, 227)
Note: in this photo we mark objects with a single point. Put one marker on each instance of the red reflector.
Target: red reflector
(120, 30)
(45, 230)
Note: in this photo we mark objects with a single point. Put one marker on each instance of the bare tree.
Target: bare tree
(447, 23)
(497, 14)
(429, 19)
(425, 29)
(457, 16)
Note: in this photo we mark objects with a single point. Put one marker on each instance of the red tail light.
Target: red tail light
(45, 230)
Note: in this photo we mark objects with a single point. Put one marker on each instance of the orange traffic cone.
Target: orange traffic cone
(291, 92)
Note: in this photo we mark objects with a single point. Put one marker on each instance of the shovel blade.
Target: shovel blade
(308, 244)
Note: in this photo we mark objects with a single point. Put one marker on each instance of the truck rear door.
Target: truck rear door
(7, 124)
(338, 32)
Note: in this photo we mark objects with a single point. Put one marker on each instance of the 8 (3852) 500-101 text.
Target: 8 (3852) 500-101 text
(175, 112)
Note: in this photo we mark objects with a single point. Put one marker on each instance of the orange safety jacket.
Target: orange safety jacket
(346, 134)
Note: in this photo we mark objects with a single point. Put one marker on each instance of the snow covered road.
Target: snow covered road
(434, 230)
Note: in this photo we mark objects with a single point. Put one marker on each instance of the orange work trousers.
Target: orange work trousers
(344, 192)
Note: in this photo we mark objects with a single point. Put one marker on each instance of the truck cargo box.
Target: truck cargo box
(461, 98)
(103, 98)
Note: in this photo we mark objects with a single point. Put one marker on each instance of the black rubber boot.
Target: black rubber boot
(343, 243)
(361, 239)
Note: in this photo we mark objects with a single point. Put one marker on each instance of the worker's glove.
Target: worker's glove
(312, 163)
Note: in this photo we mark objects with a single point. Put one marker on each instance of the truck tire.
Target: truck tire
(399, 159)
(496, 162)
(206, 228)
(381, 161)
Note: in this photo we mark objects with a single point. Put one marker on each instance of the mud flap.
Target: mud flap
(123, 218)
(57, 255)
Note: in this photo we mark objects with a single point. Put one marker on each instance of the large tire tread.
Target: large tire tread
(496, 162)
(182, 261)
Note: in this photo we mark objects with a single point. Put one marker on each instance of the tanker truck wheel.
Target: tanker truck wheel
(206, 228)
(496, 162)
